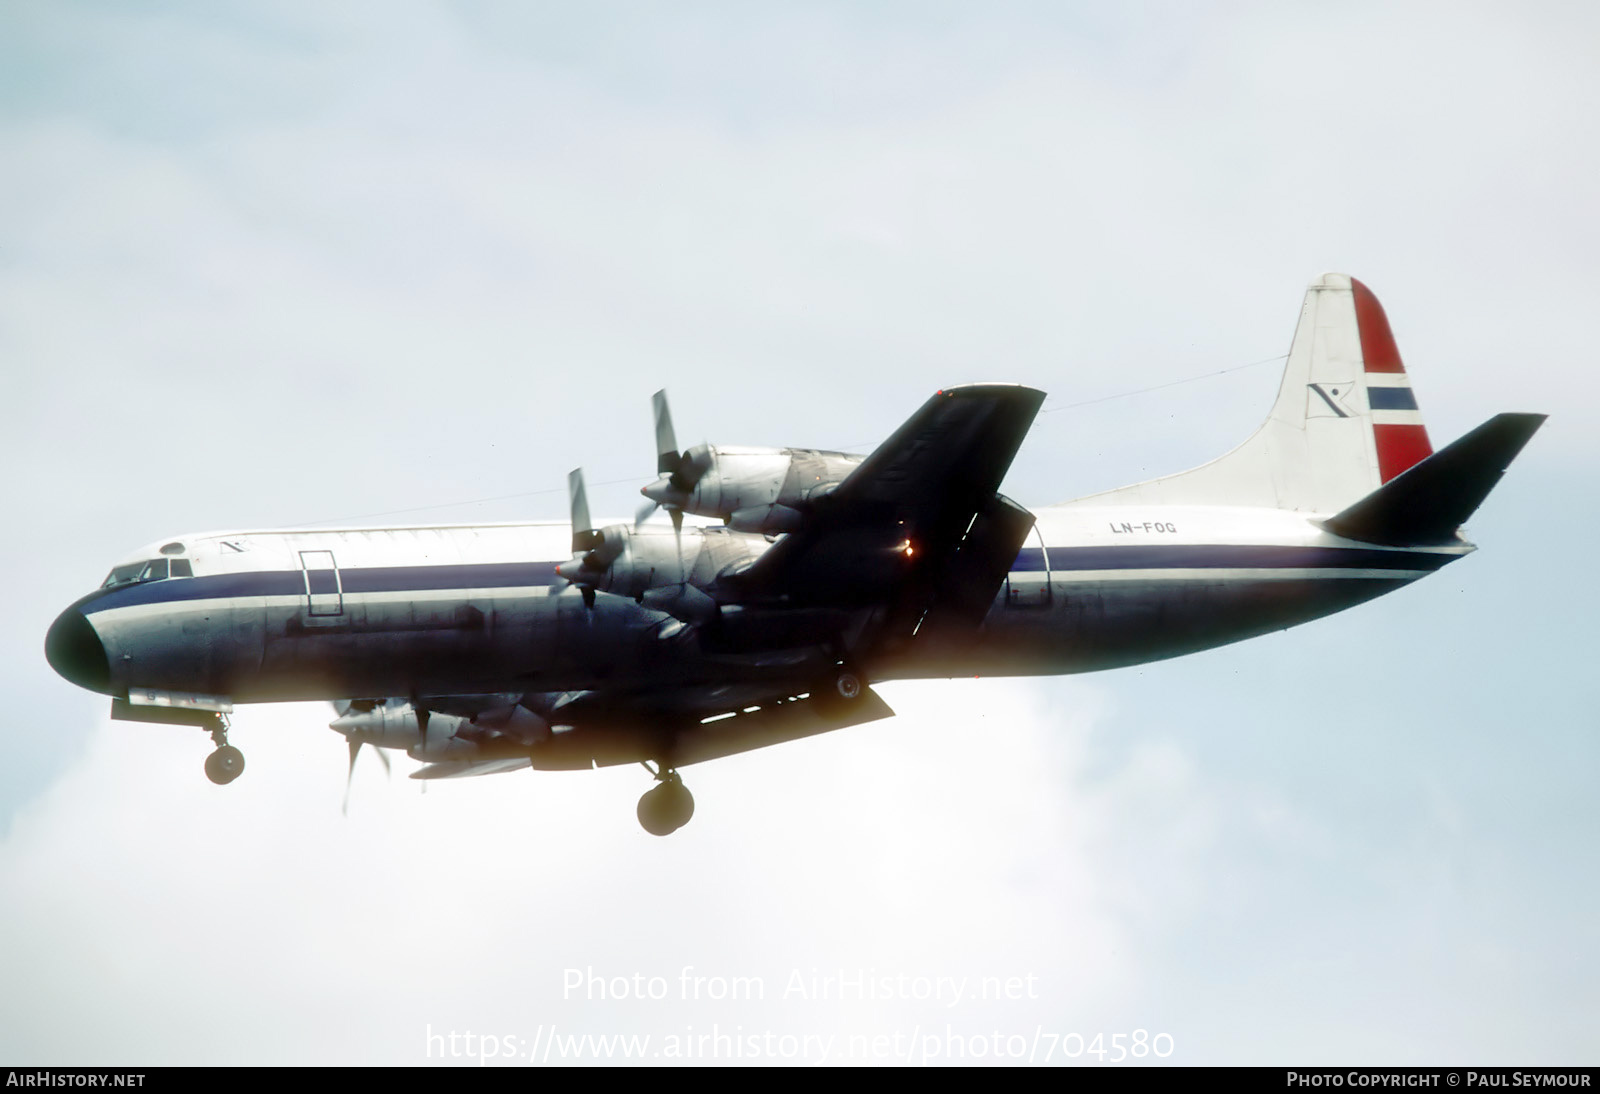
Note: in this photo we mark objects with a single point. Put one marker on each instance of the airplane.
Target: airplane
(805, 578)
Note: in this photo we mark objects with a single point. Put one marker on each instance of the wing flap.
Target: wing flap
(773, 724)
(980, 564)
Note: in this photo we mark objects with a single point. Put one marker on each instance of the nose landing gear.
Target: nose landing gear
(668, 805)
(226, 763)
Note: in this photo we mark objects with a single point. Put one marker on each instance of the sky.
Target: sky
(267, 265)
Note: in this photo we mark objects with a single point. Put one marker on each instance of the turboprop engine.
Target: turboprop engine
(437, 735)
(666, 570)
(752, 489)
(764, 490)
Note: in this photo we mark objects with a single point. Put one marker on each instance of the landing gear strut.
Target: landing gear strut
(668, 805)
(226, 763)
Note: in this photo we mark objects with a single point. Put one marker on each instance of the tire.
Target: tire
(665, 808)
(847, 686)
(224, 765)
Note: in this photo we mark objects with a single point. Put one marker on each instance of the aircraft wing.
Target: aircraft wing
(693, 724)
(893, 527)
(681, 726)
(676, 725)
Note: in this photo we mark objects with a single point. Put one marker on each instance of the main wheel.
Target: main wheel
(666, 807)
(835, 694)
(224, 765)
(847, 685)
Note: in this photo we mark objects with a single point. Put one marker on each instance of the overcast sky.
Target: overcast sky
(265, 265)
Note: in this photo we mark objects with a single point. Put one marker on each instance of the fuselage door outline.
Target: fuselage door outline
(1028, 595)
(324, 588)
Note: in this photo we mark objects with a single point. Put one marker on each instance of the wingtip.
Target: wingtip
(990, 391)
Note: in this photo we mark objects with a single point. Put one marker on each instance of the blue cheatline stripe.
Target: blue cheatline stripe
(498, 575)
(1177, 556)
(378, 579)
(1391, 398)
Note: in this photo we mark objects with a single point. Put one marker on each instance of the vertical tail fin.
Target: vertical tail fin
(1345, 421)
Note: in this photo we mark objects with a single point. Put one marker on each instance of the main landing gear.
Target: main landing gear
(668, 805)
(226, 763)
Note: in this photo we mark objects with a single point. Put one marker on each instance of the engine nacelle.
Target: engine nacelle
(448, 748)
(394, 725)
(763, 490)
(663, 569)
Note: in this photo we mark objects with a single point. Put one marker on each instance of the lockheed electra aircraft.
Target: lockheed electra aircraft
(487, 648)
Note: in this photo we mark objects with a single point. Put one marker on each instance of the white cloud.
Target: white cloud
(168, 920)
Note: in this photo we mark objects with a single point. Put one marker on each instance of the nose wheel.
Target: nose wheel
(226, 763)
(667, 806)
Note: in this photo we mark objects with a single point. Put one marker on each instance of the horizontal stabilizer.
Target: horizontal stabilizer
(1428, 502)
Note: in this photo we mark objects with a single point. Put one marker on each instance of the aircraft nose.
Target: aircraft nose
(74, 650)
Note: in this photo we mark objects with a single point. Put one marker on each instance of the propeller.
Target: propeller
(678, 472)
(356, 737)
(355, 750)
(592, 549)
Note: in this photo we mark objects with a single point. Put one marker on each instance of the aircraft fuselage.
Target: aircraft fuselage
(303, 615)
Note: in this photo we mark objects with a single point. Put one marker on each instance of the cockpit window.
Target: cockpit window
(122, 575)
(155, 569)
